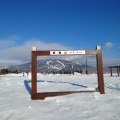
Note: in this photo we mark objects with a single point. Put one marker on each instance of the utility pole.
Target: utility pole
(0, 74)
(86, 67)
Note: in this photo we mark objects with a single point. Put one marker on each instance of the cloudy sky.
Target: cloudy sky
(59, 24)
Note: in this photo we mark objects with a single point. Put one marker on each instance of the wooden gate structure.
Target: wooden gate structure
(35, 95)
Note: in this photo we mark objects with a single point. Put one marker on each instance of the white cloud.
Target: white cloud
(108, 45)
(22, 53)
(19, 54)
(8, 42)
(109, 61)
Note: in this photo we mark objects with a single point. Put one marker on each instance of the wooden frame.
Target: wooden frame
(35, 53)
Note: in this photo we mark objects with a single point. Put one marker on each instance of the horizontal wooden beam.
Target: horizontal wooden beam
(47, 53)
(43, 95)
(113, 66)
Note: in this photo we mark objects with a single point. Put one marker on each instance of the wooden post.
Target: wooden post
(34, 75)
(111, 71)
(100, 70)
(118, 71)
(86, 67)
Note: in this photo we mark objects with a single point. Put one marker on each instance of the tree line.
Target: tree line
(6, 71)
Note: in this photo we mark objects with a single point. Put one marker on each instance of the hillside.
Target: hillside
(51, 66)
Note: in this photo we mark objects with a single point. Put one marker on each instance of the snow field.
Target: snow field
(16, 103)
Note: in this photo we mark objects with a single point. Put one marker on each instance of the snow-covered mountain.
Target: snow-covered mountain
(51, 66)
(4, 66)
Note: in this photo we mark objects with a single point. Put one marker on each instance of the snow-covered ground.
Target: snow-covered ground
(16, 103)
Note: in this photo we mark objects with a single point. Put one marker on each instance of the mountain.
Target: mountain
(4, 66)
(51, 66)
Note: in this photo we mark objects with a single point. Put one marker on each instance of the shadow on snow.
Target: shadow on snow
(112, 87)
(26, 83)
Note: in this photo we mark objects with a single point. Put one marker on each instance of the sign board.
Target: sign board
(76, 52)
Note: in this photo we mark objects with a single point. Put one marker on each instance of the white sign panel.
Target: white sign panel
(75, 52)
